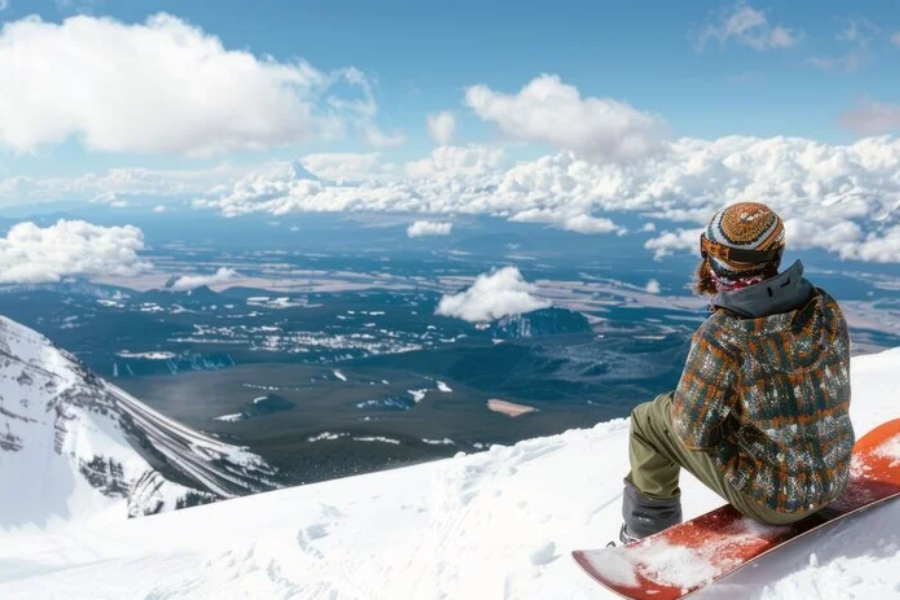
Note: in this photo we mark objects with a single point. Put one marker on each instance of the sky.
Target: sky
(566, 116)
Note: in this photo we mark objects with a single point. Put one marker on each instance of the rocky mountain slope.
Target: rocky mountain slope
(70, 442)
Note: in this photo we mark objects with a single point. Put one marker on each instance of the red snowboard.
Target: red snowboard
(687, 557)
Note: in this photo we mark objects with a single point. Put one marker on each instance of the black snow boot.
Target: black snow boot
(645, 516)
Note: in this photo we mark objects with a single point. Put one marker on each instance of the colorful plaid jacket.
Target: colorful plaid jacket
(769, 398)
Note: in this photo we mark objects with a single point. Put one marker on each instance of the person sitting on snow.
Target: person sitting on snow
(760, 415)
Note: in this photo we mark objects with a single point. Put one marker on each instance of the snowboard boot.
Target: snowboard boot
(645, 516)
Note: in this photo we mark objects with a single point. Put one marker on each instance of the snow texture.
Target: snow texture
(72, 445)
(496, 524)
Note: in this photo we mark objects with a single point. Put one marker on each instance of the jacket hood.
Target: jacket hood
(782, 293)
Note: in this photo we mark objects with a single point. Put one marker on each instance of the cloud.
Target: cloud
(4, 4)
(347, 166)
(653, 287)
(111, 199)
(649, 227)
(166, 86)
(578, 223)
(428, 228)
(872, 118)
(849, 63)
(549, 111)
(31, 254)
(747, 27)
(895, 39)
(858, 33)
(376, 138)
(441, 127)
(670, 242)
(493, 295)
(190, 282)
(821, 184)
(159, 208)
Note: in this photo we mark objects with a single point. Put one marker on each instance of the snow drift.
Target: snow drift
(72, 444)
(498, 524)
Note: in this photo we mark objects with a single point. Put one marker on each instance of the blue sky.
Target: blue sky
(583, 116)
(422, 55)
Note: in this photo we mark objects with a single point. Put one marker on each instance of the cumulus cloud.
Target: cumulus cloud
(670, 242)
(190, 282)
(649, 227)
(551, 112)
(441, 127)
(493, 295)
(748, 27)
(166, 86)
(31, 254)
(653, 287)
(428, 228)
(872, 118)
(159, 208)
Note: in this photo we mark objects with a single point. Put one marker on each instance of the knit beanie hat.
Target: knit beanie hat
(743, 244)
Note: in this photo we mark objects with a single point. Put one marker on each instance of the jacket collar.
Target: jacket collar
(782, 293)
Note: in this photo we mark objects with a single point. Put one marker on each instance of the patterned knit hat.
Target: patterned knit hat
(743, 242)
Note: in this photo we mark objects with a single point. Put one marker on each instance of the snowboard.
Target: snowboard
(687, 557)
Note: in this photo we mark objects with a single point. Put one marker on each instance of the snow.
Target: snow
(496, 524)
(147, 355)
(418, 395)
(443, 387)
(230, 418)
(339, 375)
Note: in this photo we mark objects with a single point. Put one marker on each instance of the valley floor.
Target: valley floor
(498, 524)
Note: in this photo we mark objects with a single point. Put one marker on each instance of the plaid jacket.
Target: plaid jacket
(769, 397)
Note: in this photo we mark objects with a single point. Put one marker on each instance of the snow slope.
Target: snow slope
(72, 445)
(499, 524)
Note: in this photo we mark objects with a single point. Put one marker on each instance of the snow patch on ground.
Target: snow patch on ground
(418, 395)
(495, 524)
(327, 436)
(443, 387)
(230, 418)
(339, 375)
(377, 438)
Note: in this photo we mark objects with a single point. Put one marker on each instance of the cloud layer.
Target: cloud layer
(844, 199)
(165, 86)
(493, 295)
(31, 254)
(428, 228)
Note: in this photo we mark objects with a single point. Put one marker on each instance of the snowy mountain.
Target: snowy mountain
(498, 524)
(71, 444)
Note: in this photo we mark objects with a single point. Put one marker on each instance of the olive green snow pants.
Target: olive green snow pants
(658, 454)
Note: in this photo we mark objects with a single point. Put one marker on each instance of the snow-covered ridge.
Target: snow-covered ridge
(72, 444)
(497, 524)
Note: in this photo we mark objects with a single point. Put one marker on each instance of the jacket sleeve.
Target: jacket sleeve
(706, 392)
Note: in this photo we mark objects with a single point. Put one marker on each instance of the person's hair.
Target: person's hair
(705, 281)
(704, 284)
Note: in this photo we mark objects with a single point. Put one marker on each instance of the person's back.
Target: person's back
(786, 436)
(760, 414)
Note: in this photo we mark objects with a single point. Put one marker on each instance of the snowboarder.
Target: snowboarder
(760, 414)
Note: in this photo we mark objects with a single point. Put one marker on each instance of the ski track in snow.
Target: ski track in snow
(497, 524)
